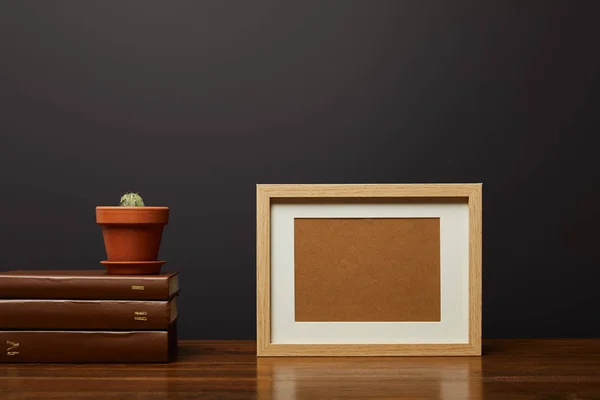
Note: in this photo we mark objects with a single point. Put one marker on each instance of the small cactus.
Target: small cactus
(131, 200)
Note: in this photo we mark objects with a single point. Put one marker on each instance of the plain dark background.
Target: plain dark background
(192, 103)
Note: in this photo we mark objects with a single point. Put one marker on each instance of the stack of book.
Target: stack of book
(87, 316)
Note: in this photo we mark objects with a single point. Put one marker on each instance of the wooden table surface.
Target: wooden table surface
(509, 369)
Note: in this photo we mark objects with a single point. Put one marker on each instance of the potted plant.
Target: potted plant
(132, 234)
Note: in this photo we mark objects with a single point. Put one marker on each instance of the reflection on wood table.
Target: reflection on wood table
(515, 369)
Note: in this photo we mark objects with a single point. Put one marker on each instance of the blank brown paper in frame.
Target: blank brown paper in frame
(367, 269)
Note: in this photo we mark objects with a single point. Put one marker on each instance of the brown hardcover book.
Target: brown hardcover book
(87, 314)
(95, 285)
(88, 346)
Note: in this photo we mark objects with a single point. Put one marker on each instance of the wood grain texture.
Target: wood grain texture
(263, 270)
(369, 190)
(508, 369)
(370, 350)
(266, 194)
(475, 267)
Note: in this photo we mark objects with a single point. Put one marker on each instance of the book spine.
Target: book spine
(82, 346)
(86, 314)
(98, 288)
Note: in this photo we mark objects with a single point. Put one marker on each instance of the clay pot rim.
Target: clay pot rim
(146, 208)
(117, 215)
(106, 262)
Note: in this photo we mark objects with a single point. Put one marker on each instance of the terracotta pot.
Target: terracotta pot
(132, 233)
(132, 267)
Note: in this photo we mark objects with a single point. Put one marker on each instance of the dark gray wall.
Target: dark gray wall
(192, 103)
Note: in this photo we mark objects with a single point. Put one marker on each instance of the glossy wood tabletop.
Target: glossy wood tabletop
(509, 369)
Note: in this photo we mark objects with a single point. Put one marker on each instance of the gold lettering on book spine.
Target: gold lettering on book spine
(140, 316)
(11, 347)
(137, 287)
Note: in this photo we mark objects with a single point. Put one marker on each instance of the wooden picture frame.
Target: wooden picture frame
(469, 196)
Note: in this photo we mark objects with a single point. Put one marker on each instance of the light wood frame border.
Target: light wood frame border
(265, 194)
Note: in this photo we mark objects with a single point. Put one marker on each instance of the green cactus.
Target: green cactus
(131, 200)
